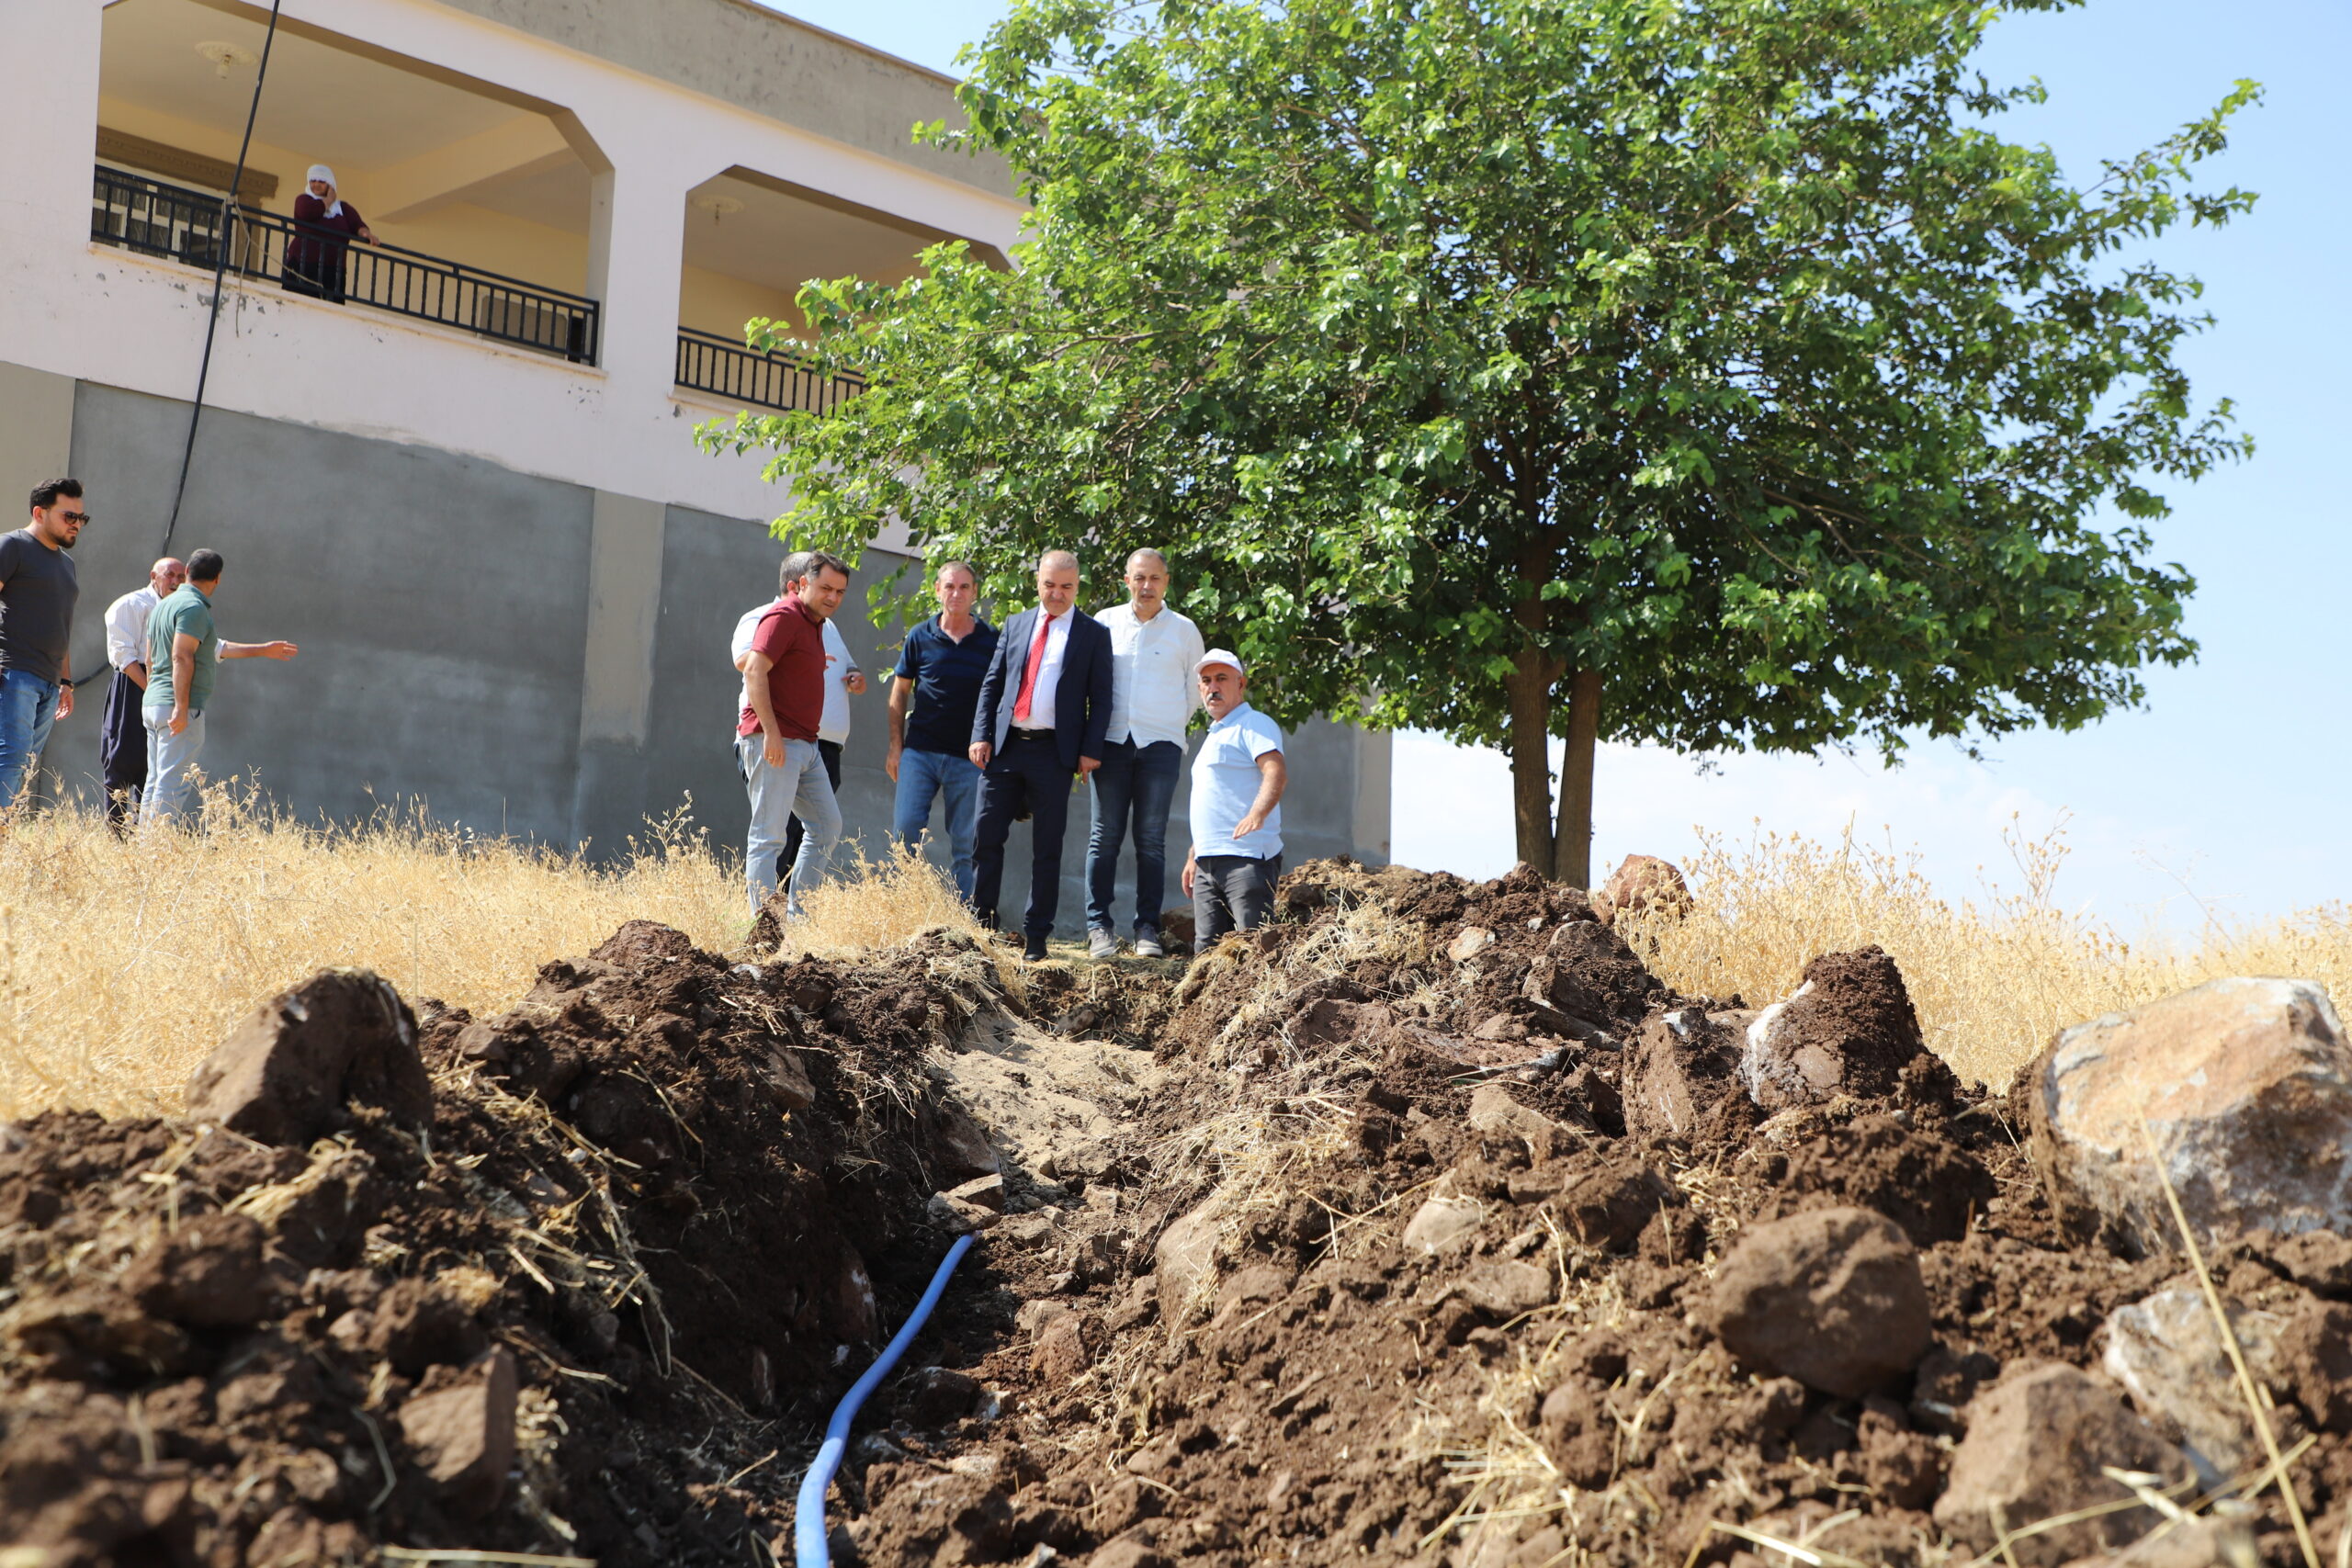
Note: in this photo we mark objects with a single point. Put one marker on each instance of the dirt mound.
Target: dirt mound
(1423, 1226)
(1371, 1281)
(646, 1231)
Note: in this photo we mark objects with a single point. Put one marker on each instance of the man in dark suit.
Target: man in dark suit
(1044, 710)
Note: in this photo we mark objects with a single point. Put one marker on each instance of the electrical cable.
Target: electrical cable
(809, 1545)
(219, 271)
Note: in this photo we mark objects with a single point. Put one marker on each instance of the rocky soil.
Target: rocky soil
(1426, 1225)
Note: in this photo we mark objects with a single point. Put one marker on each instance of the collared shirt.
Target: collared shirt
(1049, 673)
(1225, 787)
(127, 627)
(1154, 689)
(947, 676)
(838, 666)
(186, 610)
(794, 641)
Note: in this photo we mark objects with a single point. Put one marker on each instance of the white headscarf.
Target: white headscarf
(320, 172)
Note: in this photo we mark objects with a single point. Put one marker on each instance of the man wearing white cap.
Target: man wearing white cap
(1237, 782)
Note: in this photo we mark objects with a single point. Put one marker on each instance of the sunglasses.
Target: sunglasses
(72, 517)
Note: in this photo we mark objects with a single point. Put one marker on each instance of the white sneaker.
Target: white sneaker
(1147, 944)
(1100, 943)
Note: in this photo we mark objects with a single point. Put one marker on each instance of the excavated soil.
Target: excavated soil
(1386, 1233)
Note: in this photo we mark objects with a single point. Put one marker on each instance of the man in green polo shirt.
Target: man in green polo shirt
(182, 654)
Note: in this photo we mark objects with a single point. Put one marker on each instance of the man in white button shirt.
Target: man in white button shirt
(843, 681)
(122, 734)
(1153, 698)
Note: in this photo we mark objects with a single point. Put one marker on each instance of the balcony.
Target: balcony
(708, 363)
(179, 224)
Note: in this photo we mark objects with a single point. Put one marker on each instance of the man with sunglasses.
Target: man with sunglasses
(37, 591)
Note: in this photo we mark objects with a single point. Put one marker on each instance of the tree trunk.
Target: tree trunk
(1530, 688)
(1572, 841)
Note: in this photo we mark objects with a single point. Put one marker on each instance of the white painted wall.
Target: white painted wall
(101, 314)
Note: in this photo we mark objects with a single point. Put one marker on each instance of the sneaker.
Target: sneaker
(1033, 951)
(1100, 943)
(1148, 943)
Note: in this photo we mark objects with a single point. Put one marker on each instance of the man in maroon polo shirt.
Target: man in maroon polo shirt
(775, 743)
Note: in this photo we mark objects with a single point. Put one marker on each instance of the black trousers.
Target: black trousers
(1028, 774)
(122, 746)
(1231, 893)
(830, 751)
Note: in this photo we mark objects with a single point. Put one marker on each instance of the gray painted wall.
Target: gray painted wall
(520, 655)
(438, 600)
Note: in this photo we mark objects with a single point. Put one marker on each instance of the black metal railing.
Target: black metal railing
(190, 226)
(710, 363)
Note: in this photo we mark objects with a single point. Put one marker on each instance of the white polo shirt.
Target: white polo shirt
(1225, 787)
(834, 726)
(1153, 689)
(127, 627)
(1050, 672)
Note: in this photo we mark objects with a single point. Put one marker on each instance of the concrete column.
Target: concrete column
(636, 256)
(53, 128)
(617, 667)
(1374, 760)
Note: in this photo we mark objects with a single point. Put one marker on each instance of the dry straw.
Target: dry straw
(1993, 978)
(123, 963)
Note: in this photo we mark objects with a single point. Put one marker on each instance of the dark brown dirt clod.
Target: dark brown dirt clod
(1832, 1297)
(285, 1074)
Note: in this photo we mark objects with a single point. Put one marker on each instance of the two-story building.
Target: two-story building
(468, 487)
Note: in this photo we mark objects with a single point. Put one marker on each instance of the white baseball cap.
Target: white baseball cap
(1222, 656)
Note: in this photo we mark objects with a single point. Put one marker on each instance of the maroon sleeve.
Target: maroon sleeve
(309, 209)
(774, 636)
(351, 219)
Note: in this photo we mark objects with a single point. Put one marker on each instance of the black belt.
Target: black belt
(1021, 734)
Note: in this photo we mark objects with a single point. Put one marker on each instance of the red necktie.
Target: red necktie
(1029, 675)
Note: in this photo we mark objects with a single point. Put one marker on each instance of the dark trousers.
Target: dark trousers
(830, 751)
(1027, 772)
(1231, 893)
(1135, 785)
(122, 746)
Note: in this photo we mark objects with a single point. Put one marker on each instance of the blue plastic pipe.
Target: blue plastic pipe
(809, 1545)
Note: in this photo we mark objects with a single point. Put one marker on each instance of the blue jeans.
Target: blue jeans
(28, 707)
(799, 788)
(170, 760)
(921, 776)
(1135, 784)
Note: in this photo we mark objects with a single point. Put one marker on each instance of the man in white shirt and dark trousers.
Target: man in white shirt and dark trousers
(843, 681)
(1239, 777)
(1154, 652)
(122, 735)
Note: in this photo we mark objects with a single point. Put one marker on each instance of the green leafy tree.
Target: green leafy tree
(1703, 372)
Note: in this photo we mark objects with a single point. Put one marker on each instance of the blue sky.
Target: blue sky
(2225, 795)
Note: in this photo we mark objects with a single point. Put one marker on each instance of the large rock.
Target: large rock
(2246, 1085)
(1641, 884)
(462, 1433)
(2038, 1446)
(1683, 1066)
(1832, 1298)
(2167, 1351)
(1849, 1029)
(1186, 1261)
(286, 1072)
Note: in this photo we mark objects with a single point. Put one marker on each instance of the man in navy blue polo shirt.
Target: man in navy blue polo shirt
(940, 669)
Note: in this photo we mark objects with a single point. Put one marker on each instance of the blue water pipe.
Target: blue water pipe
(808, 1547)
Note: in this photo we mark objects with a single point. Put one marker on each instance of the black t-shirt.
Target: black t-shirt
(947, 676)
(37, 587)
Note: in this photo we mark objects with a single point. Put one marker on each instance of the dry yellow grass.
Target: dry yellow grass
(122, 963)
(1992, 979)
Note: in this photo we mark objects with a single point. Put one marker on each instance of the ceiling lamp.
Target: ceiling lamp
(717, 206)
(224, 55)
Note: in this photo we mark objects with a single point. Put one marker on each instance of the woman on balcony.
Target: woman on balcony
(314, 252)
